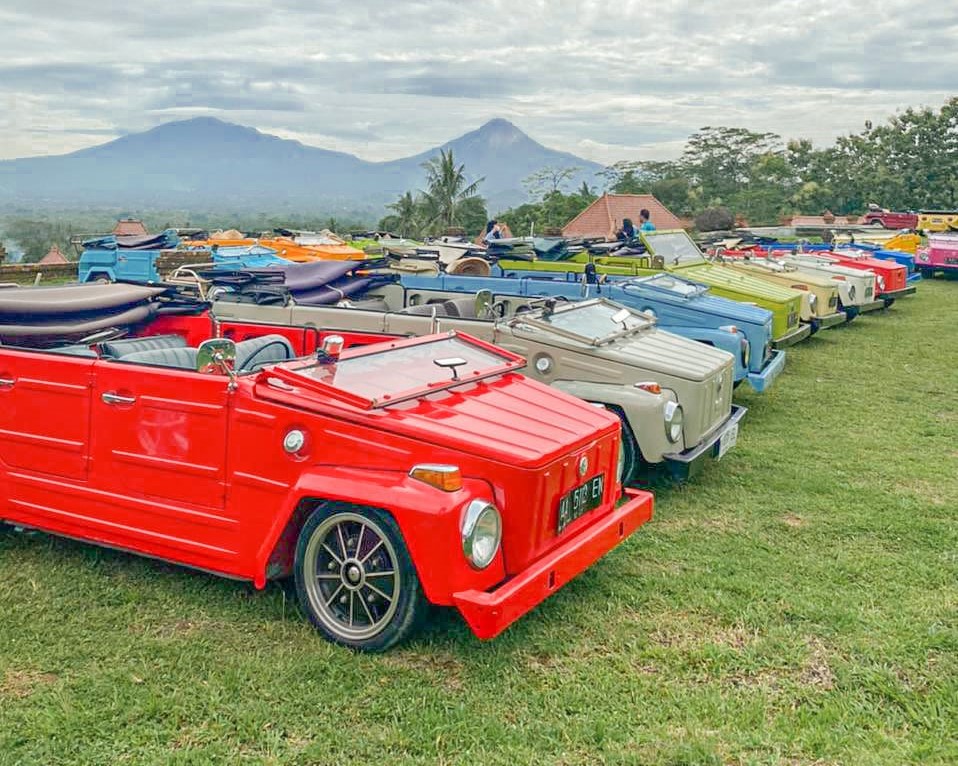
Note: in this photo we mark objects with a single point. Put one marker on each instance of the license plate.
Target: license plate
(727, 441)
(580, 501)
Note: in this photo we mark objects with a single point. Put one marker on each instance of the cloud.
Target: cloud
(384, 79)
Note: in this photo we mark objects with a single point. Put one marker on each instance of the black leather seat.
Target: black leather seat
(121, 348)
(179, 357)
(254, 353)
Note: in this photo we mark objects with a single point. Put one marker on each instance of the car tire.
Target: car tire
(631, 458)
(355, 578)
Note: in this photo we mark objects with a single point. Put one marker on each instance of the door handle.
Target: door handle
(7, 382)
(111, 398)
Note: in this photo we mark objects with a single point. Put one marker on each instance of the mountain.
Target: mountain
(500, 154)
(210, 164)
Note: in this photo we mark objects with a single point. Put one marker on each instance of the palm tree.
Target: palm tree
(447, 189)
(406, 216)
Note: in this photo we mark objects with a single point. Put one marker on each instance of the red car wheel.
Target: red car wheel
(355, 578)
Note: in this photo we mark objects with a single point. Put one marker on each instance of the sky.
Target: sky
(382, 80)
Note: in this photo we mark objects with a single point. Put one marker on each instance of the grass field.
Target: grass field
(798, 604)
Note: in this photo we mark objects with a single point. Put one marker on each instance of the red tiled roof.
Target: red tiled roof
(604, 216)
(54, 256)
(130, 227)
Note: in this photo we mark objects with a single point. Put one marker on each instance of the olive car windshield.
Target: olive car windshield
(409, 369)
(676, 247)
(595, 322)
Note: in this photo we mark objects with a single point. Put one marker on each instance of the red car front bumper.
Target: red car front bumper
(490, 613)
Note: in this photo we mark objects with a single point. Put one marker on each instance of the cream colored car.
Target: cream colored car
(820, 301)
(673, 395)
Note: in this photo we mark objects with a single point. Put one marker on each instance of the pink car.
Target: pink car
(941, 256)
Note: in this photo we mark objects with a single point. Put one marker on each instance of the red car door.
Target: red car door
(44, 414)
(159, 448)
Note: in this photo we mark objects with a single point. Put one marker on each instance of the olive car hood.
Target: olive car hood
(509, 419)
(729, 278)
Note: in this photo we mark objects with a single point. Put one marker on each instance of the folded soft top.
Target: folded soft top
(72, 299)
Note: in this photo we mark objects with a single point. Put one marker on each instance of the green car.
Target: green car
(673, 250)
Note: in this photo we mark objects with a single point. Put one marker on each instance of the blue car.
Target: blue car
(680, 306)
(124, 260)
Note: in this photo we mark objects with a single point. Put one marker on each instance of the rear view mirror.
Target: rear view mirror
(216, 355)
(484, 304)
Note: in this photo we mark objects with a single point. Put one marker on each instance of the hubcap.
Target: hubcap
(351, 576)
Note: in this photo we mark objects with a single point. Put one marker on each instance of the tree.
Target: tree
(447, 188)
(405, 221)
(548, 180)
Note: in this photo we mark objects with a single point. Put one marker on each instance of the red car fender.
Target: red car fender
(428, 518)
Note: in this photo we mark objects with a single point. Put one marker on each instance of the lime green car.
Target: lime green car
(673, 250)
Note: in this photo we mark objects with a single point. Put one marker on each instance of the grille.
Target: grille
(868, 292)
(833, 302)
(792, 318)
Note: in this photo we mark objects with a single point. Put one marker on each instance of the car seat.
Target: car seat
(254, 353)
(179, 357)
(121, 348)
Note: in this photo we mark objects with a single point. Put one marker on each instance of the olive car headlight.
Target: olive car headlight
(481, 533)
(674, 417)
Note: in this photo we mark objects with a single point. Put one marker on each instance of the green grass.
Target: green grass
(797, 604)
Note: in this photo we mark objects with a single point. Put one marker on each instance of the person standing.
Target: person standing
(644, 223)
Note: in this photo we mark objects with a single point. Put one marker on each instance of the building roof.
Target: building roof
(130, 227)
(54, 256)
(604, 216)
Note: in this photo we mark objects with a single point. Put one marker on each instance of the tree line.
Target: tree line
(908, 163)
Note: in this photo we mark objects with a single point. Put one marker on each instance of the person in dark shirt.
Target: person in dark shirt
(493, 231)
(627, 231)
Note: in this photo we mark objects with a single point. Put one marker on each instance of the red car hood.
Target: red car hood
(510, 419)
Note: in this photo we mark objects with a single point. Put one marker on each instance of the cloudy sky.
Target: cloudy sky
(607, 81)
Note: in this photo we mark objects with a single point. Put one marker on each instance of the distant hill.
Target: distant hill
(210, 164)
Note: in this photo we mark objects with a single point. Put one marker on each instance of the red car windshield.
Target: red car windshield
(408, 369)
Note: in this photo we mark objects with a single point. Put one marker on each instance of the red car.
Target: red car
(384, 477)
(891, 278)
(889, 220)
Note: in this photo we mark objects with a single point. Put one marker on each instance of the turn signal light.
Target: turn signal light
(652, 388)
(448, 478)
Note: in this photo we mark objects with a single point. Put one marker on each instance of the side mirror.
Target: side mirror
(330, 350)
(217, 355)
(484, 304)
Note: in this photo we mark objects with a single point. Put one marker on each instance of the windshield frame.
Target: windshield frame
(648, 239)
(292, 372)
(650, 281)
(539, 320)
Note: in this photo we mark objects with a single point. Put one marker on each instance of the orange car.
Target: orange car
(287, 248)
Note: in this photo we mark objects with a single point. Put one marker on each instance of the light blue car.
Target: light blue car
(680, 306)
